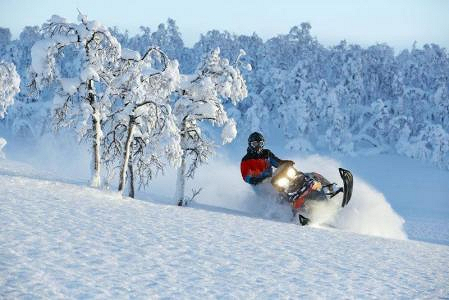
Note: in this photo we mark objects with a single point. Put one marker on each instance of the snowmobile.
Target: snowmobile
(303, 190)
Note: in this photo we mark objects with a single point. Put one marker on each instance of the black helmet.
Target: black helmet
(255, 141)
(255, 136)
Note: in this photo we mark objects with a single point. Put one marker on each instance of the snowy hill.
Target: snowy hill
(60, 240)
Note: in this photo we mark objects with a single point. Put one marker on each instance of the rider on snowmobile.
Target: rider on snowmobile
(294, 186)
(258, 162)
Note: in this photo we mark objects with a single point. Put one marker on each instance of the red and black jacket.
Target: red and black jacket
(255, 166)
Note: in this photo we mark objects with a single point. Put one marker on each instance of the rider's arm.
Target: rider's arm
(276, 161)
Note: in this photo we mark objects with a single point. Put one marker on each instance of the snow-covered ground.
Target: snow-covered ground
(63, 240)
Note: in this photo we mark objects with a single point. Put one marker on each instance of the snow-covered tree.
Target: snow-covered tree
(431, 143)
(5, 40)
(440, 103)
(350, 89)
(9, 87)
(337, 136)
(374, 133)
(413, 86)
(79, 99)
(141, 129)
(379, 74)
(256, 114)
(260, 110)
(418, 107)
(167, 38)
(301, 108)
(214, 39)
(30, 115)
(201, 99)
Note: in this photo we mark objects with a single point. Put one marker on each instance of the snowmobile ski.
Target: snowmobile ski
(303, 220)
(347, 178)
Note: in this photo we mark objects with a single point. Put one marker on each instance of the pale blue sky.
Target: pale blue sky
(396, 22)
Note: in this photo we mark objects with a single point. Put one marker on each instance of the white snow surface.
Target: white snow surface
(60, 240)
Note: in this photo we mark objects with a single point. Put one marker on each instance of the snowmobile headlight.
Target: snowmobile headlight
(282, 182)
(291, 173)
